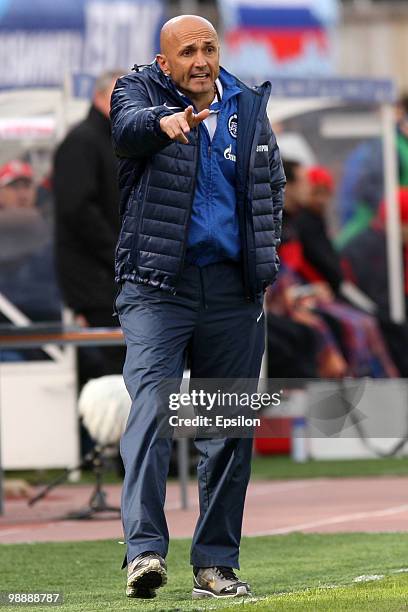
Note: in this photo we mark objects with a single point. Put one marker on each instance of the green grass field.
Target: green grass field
(282, 467)
(295, 572)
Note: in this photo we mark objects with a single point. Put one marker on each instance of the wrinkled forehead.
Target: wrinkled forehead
(199, 36)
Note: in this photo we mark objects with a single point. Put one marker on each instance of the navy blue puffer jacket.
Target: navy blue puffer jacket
(157, 181)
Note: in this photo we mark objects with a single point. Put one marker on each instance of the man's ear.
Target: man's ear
(162, 61)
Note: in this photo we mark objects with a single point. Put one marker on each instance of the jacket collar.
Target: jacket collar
(226, 85)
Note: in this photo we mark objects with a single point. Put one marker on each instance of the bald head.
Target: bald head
(184, 25)
(189, 55)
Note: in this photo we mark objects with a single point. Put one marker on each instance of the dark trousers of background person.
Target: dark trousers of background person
(292, 349)
(396, 336)
(224, 334)
(97, 361)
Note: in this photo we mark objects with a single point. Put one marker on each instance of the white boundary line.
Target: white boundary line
(323, 587)
(266, 488)
(10, 532)
(263, 489)
(341, 518)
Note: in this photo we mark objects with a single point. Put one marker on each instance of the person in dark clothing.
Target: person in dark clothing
(297, 192)
(306, 252)
(306, 246)
(87, 226)
(371, 246)
(288, 339)
(27, 272)
(202, 195)
(311, 227)
(290, 327)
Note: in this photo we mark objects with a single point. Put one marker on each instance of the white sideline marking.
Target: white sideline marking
(265, 488)
(240, 602)
(364, 578)
(341, 518)
(9, 532)
(30, 528)
(369, 578)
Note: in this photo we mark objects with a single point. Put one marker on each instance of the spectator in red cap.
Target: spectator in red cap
(321, 189)
(27, 275)
(17, 188)
(311, 256)
(318, 262)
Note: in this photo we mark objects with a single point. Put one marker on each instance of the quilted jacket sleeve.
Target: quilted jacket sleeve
(278, 181)
(136, 129)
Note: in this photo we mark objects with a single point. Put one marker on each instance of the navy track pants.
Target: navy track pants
(224, 334)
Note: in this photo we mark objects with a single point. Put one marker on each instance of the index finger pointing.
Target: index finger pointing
(201, 116)
(188, 113)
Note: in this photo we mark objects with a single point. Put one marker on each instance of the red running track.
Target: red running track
(276, 507)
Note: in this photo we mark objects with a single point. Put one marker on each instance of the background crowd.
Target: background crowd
(328, 314)
(58, 240)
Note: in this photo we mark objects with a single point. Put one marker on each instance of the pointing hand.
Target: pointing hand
(178, 125)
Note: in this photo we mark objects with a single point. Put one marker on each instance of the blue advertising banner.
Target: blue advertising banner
(42, 41)
(373, 91)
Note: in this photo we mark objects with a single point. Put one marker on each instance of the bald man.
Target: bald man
(202, 188)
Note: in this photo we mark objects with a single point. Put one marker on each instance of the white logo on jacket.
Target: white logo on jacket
(262, 148)
(233, 125)
(228, 154)
(166, 104)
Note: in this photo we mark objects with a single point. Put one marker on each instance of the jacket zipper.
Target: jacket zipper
(174, 291)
